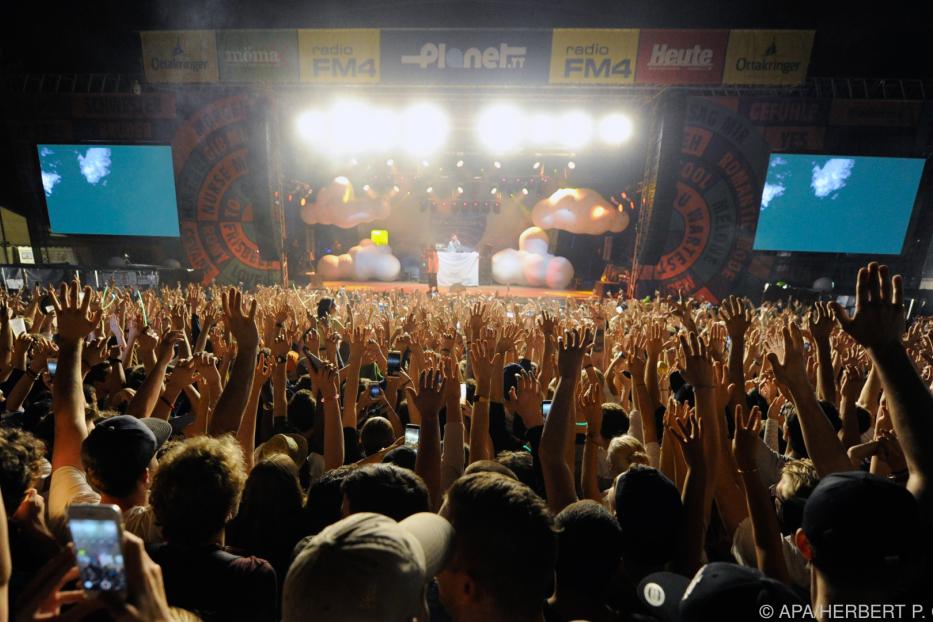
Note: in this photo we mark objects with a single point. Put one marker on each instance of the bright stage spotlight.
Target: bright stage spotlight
(615, 129)
(541, 129)
(424, 129)
(312, 127)
(500, 128)
(575, 129)
(383, 128)
(349, 131)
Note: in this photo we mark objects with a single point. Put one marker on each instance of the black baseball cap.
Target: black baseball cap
(126, 442)
(857, 522)
(718, 591)
(649, 509)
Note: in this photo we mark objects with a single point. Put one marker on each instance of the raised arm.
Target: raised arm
(688, 433)
(75, 322)
(428, 400)
(246, 435)
(229, 410)
(820, 323)
(484, 362)
(324, 382)
(878, 324)
(559, 426)
(737, 317)
(144, 402)
(821, 441)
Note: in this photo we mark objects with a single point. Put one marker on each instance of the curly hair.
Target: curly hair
(21, 454)
(197, 488)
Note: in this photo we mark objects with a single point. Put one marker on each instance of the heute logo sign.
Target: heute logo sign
(681, 56)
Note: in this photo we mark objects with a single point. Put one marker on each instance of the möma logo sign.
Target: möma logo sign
(503, 56)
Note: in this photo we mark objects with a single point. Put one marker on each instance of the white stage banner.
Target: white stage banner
(456, 268)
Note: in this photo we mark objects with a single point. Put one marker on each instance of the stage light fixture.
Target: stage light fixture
(536, 166)
(390, 162)
(312, 127)
(575, 129)
(425, 163)
(571, 165)
(348, 129)
(383, 128)
(500, 128)
(525, 191)
(494, 191)
(459, 189)
(541, 129)
(429, 189)
(424, 129)
(497, 164)
(459, 163)
(615, 129)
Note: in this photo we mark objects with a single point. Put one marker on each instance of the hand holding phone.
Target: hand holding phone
(412, 435)
(394, 361)
(97, 533)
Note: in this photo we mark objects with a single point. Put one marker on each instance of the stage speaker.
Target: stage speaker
(660, 183)
(260, 184)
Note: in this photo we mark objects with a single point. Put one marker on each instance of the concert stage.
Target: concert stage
(483, 290)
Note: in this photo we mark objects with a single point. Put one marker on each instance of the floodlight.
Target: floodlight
(312, 127)
(500, 128)
(424, 129)
(615, 129)
(541, 127)
(575, 129)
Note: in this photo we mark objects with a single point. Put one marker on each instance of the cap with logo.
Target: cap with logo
(718, 591)
(366, 567)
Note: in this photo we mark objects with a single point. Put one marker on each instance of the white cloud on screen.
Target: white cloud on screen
(49, 180)
(771, 191)
(95, 164)
(831, 177)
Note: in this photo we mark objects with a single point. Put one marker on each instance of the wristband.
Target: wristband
(281, 360)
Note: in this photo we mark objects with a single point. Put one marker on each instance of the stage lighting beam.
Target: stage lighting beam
(500, 128)
(575, 129)
(615, 129)
(424, 129)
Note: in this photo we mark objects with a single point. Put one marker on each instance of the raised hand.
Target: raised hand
(792, 371)
(75, 320)
(688, 432)
(820, 321)
(524, 399)
(485, 361)
(324, 379)
(241, 323)
(746, 439)
(698, 366)
(571, 348)
(166, 348)
(430, 394)
(736, 315)
(879, 308)
(281, 345)
(548, 323)
(184, 373)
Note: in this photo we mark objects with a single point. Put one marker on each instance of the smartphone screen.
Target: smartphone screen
(463, 391)
(52, 365)
(600, 340)
(98, 550)
(18, 325)
(412, 435)
(375, 391)
(394, 360)
(545, 408)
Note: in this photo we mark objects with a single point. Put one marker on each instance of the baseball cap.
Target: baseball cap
(858, 522)
(125, 441)
(366, 567)
(649, 510)
(718, 591)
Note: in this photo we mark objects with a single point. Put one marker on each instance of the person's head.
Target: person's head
(648, 507)
(324, 505)
(615, 421)
(521, 463)
(718, 591)
(197, 488)
(377, 434)
(367, 567)
(272, 500)
(326, 307)
(454, 237)
(403, 457)
(862, 534)
(490, 466)
(384, 489)
(120, 452)
(798, 480)
(21, 458)
(623, 452)
(589, 548)
(504, 552)
(300, 413)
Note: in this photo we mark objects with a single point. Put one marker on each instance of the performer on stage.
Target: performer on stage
(432, 265)
(454, 245)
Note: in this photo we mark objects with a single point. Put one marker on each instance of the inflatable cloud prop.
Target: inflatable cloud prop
(579, 210)
(337, 204)
(364, 262)
(531, 264)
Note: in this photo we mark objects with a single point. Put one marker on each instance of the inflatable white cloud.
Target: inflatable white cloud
(579, 210)
(337, 204)
(364, 262)
(531, 264)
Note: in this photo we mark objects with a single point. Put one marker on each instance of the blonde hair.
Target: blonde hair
(623, 452)
(801, 477)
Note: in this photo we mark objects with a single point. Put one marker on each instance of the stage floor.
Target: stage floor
(482, 290)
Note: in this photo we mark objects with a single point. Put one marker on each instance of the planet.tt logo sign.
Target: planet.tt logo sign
(503, 56)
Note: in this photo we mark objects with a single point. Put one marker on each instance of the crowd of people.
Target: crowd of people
(292, 454)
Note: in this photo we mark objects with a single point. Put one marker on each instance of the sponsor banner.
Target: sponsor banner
(339, 55)
(768, 56)
(773, 111)
(795, 138)
(123, 106)
(179, 55)
(681, 56)
(258, 55)
(448, 56)
(875, 113)
(600, 56)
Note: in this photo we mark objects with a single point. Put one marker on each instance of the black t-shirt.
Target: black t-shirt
(216, 584)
